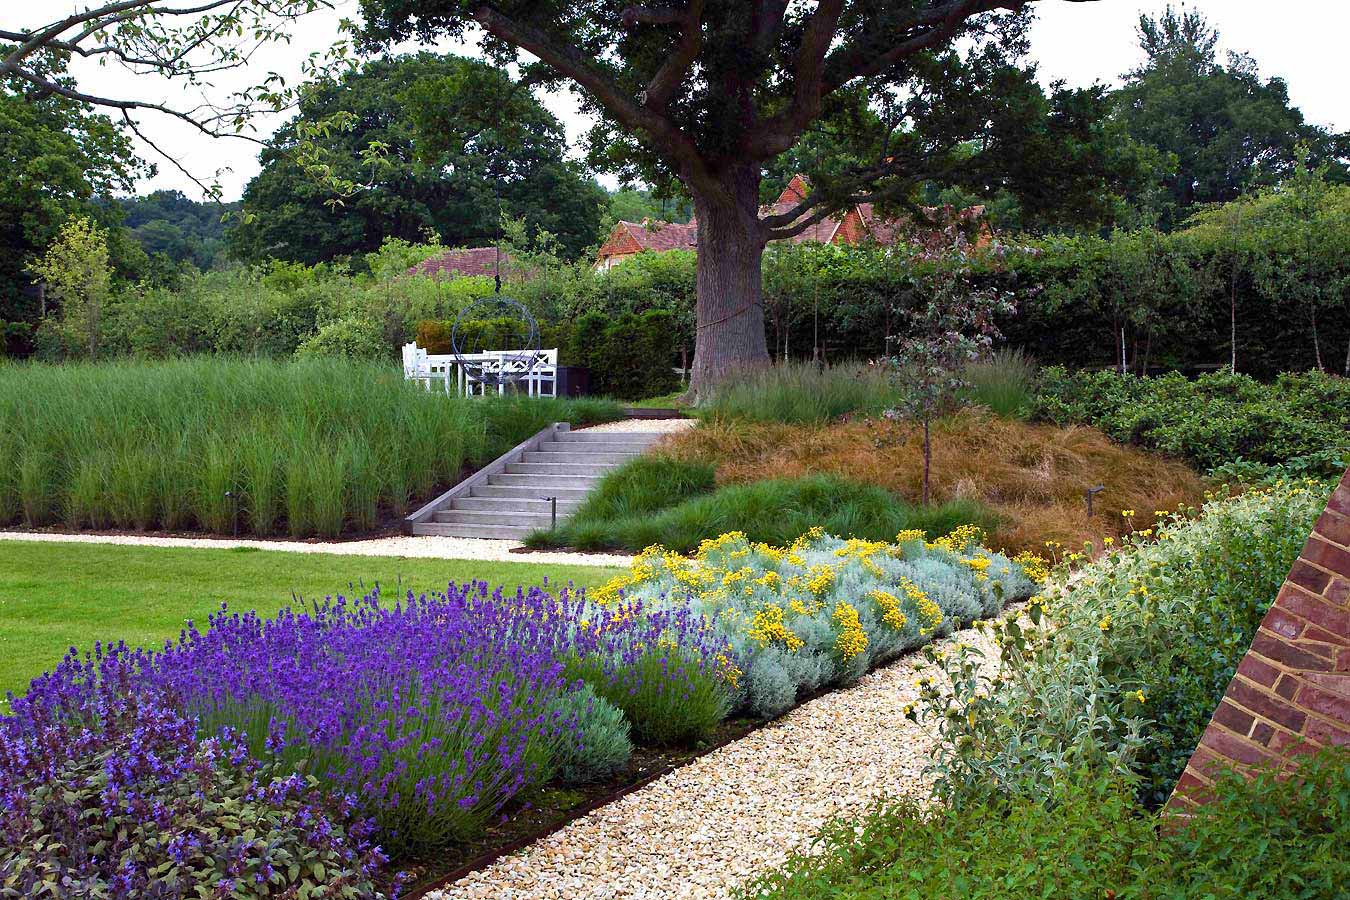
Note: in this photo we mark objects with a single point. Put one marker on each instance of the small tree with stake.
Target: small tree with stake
(951, 323)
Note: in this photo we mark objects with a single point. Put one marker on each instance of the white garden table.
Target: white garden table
(538, 371)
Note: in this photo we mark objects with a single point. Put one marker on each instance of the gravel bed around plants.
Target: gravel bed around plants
(429, 547)
(710, 826)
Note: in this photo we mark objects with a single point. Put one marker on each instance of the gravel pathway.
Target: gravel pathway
(429, 547)
(710, 826)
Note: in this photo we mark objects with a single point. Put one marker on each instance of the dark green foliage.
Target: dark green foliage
(57, 158)
(623, 514)
(474, 335)
(630, 357)
(462, 146)
(1264, 838)
(168, 224)
(1214, 420)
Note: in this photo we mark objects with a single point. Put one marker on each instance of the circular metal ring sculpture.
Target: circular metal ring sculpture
(514, 327)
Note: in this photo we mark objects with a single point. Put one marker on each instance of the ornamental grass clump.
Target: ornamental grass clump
(823, 611)
(105, 792)
(435, 711)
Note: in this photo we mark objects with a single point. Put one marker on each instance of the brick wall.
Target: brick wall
(1291, 692)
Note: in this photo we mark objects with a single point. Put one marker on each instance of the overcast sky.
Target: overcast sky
(1080, 43)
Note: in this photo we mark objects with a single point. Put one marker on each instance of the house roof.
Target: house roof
(465, 261)
(660, 235)
(850, 226)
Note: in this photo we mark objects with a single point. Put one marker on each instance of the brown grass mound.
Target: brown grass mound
(1034, 476)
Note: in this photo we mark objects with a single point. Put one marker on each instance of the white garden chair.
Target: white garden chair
(416, 365)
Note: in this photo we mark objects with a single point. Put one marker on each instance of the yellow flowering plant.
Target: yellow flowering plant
(824, 610)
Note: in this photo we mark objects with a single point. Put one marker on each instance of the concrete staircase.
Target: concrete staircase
(508, 498)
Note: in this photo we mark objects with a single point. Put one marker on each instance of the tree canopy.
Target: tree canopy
(1225, 128)
(57, 157)
(459, 145)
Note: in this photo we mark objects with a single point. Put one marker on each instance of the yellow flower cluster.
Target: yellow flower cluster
(862, 551)
(1034, 566)
(727, 670)
(929, 611)
(852, 640)
(909, 535)
(959, 539)
(819, 579)
(767, 627)
(978, 565)
(889, 604)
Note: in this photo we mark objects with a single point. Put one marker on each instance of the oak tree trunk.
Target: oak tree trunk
(729, 312)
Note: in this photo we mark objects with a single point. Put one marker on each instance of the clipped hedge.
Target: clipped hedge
(630, 357)
(1214, 420)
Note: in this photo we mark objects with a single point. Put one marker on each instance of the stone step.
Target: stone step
(589, 448)
(545, 483)
(581, 460)
(564, 495)
(492, 517)
(535, 505)
(562, 469)
(461, 529)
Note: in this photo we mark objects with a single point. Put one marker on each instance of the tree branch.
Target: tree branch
(667, 79)
(816, 78)
(666, 137)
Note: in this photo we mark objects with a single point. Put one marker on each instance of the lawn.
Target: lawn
(55, 596)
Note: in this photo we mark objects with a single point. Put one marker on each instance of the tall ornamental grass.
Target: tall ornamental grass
(802, 394)
(311, 447)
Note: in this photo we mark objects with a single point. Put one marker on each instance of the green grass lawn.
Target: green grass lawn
(55, 595)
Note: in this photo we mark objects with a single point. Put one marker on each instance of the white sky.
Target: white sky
(1080, 43)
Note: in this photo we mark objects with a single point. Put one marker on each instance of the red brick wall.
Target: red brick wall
(1291, 693)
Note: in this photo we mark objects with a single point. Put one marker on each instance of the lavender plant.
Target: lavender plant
(435, 711)
(423, 718)
(105, 793)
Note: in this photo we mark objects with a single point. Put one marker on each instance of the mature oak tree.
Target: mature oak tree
(709, 91)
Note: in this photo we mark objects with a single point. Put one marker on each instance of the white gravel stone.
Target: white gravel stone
(714, 824)
(429, 547)
(651, 425)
